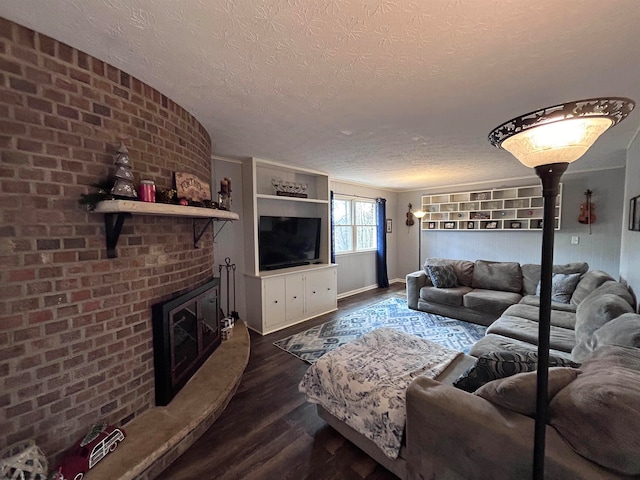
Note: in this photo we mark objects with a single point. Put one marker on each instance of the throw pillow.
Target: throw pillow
(598, 414)
(495, 365)
(562, 286)
(531, 273)
(518, 392)
(463, 268)
(442, 276)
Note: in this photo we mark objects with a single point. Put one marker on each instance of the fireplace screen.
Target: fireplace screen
(186, 330)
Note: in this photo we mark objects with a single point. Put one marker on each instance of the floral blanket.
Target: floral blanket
(364, 382)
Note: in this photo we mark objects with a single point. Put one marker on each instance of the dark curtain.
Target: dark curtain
(333, 229)
(381, 252)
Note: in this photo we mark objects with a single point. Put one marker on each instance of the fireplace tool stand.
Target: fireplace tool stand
(229, 267)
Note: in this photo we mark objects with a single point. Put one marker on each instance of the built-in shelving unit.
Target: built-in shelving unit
(279, 298)
(115, 212)
(517, 208)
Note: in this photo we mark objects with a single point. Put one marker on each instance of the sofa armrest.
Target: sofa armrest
(453, 434)
(415, 281)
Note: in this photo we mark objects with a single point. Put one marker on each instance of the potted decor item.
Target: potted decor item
(23, 460)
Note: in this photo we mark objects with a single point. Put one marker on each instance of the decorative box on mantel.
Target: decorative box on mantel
(122, 209)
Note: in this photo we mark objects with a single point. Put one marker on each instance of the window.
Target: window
(355, 225)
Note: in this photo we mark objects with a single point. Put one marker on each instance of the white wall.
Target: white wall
(601, 249)
(630, 245)
(229, 241)
(357, 272)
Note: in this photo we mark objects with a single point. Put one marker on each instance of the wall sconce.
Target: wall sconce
(548, 140)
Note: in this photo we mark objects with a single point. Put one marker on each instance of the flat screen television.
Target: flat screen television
(288, 241)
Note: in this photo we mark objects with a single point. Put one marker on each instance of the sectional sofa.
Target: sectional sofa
(475, 420)
(503, 296)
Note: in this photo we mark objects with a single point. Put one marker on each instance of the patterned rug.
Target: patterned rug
(393, 313)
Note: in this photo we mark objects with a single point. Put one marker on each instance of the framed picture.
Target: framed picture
(515, 225)
(492, 225)
(389, 225)
(634, 214)
(432, 225)
(449, 225)
(471, 225)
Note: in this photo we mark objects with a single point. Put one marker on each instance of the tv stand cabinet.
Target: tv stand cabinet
(280, 298)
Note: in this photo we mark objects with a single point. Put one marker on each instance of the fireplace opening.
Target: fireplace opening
(186, 330)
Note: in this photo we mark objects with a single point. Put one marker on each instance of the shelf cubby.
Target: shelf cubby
(512, 208)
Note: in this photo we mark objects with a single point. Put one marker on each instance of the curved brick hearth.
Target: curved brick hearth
(160, 435)
(76, 337)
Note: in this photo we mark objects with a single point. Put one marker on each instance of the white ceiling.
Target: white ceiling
(398, 94)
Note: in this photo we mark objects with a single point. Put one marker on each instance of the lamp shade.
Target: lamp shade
(561, 133)
(419, 214)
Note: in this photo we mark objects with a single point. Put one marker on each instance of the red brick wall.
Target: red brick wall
(75, 328)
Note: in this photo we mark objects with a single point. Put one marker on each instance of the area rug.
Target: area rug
(393, 313)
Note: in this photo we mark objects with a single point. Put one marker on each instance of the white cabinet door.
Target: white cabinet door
(320, 291)
(274, 302)
(294, 287)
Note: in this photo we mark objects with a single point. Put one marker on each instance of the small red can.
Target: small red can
(147, 191)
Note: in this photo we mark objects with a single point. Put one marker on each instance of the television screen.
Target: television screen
(288, 241)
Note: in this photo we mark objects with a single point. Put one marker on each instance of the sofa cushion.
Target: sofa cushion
(598, 414)
(493, 343)
(595, 311)
(527, 331)
(588, 283)
(504, 276)
(490, 300)
(463, 268)
(623, 331)
(614, 288)
(442, 276)
(535, 302)
(531, 274)
(558, 318)
(518, 392)
(503, 364)
(446, 296)
(562, 286)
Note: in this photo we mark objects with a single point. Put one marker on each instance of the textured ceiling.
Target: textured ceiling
(399, 94)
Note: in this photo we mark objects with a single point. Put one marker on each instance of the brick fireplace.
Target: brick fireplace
(76, 335)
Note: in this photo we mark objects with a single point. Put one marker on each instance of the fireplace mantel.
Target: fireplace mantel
(121, 209)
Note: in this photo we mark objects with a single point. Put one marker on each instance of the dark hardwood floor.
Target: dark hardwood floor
(268, 431)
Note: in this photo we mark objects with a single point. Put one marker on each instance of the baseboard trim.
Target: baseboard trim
(366, 289)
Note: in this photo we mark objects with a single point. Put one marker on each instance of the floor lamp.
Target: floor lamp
(548, 140)
(419, 214)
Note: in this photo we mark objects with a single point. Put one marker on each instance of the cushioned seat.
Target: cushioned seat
(527, 330)
(534, 301)
(495, 343)
(559, 318)
(447, 296)
(491, 300)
